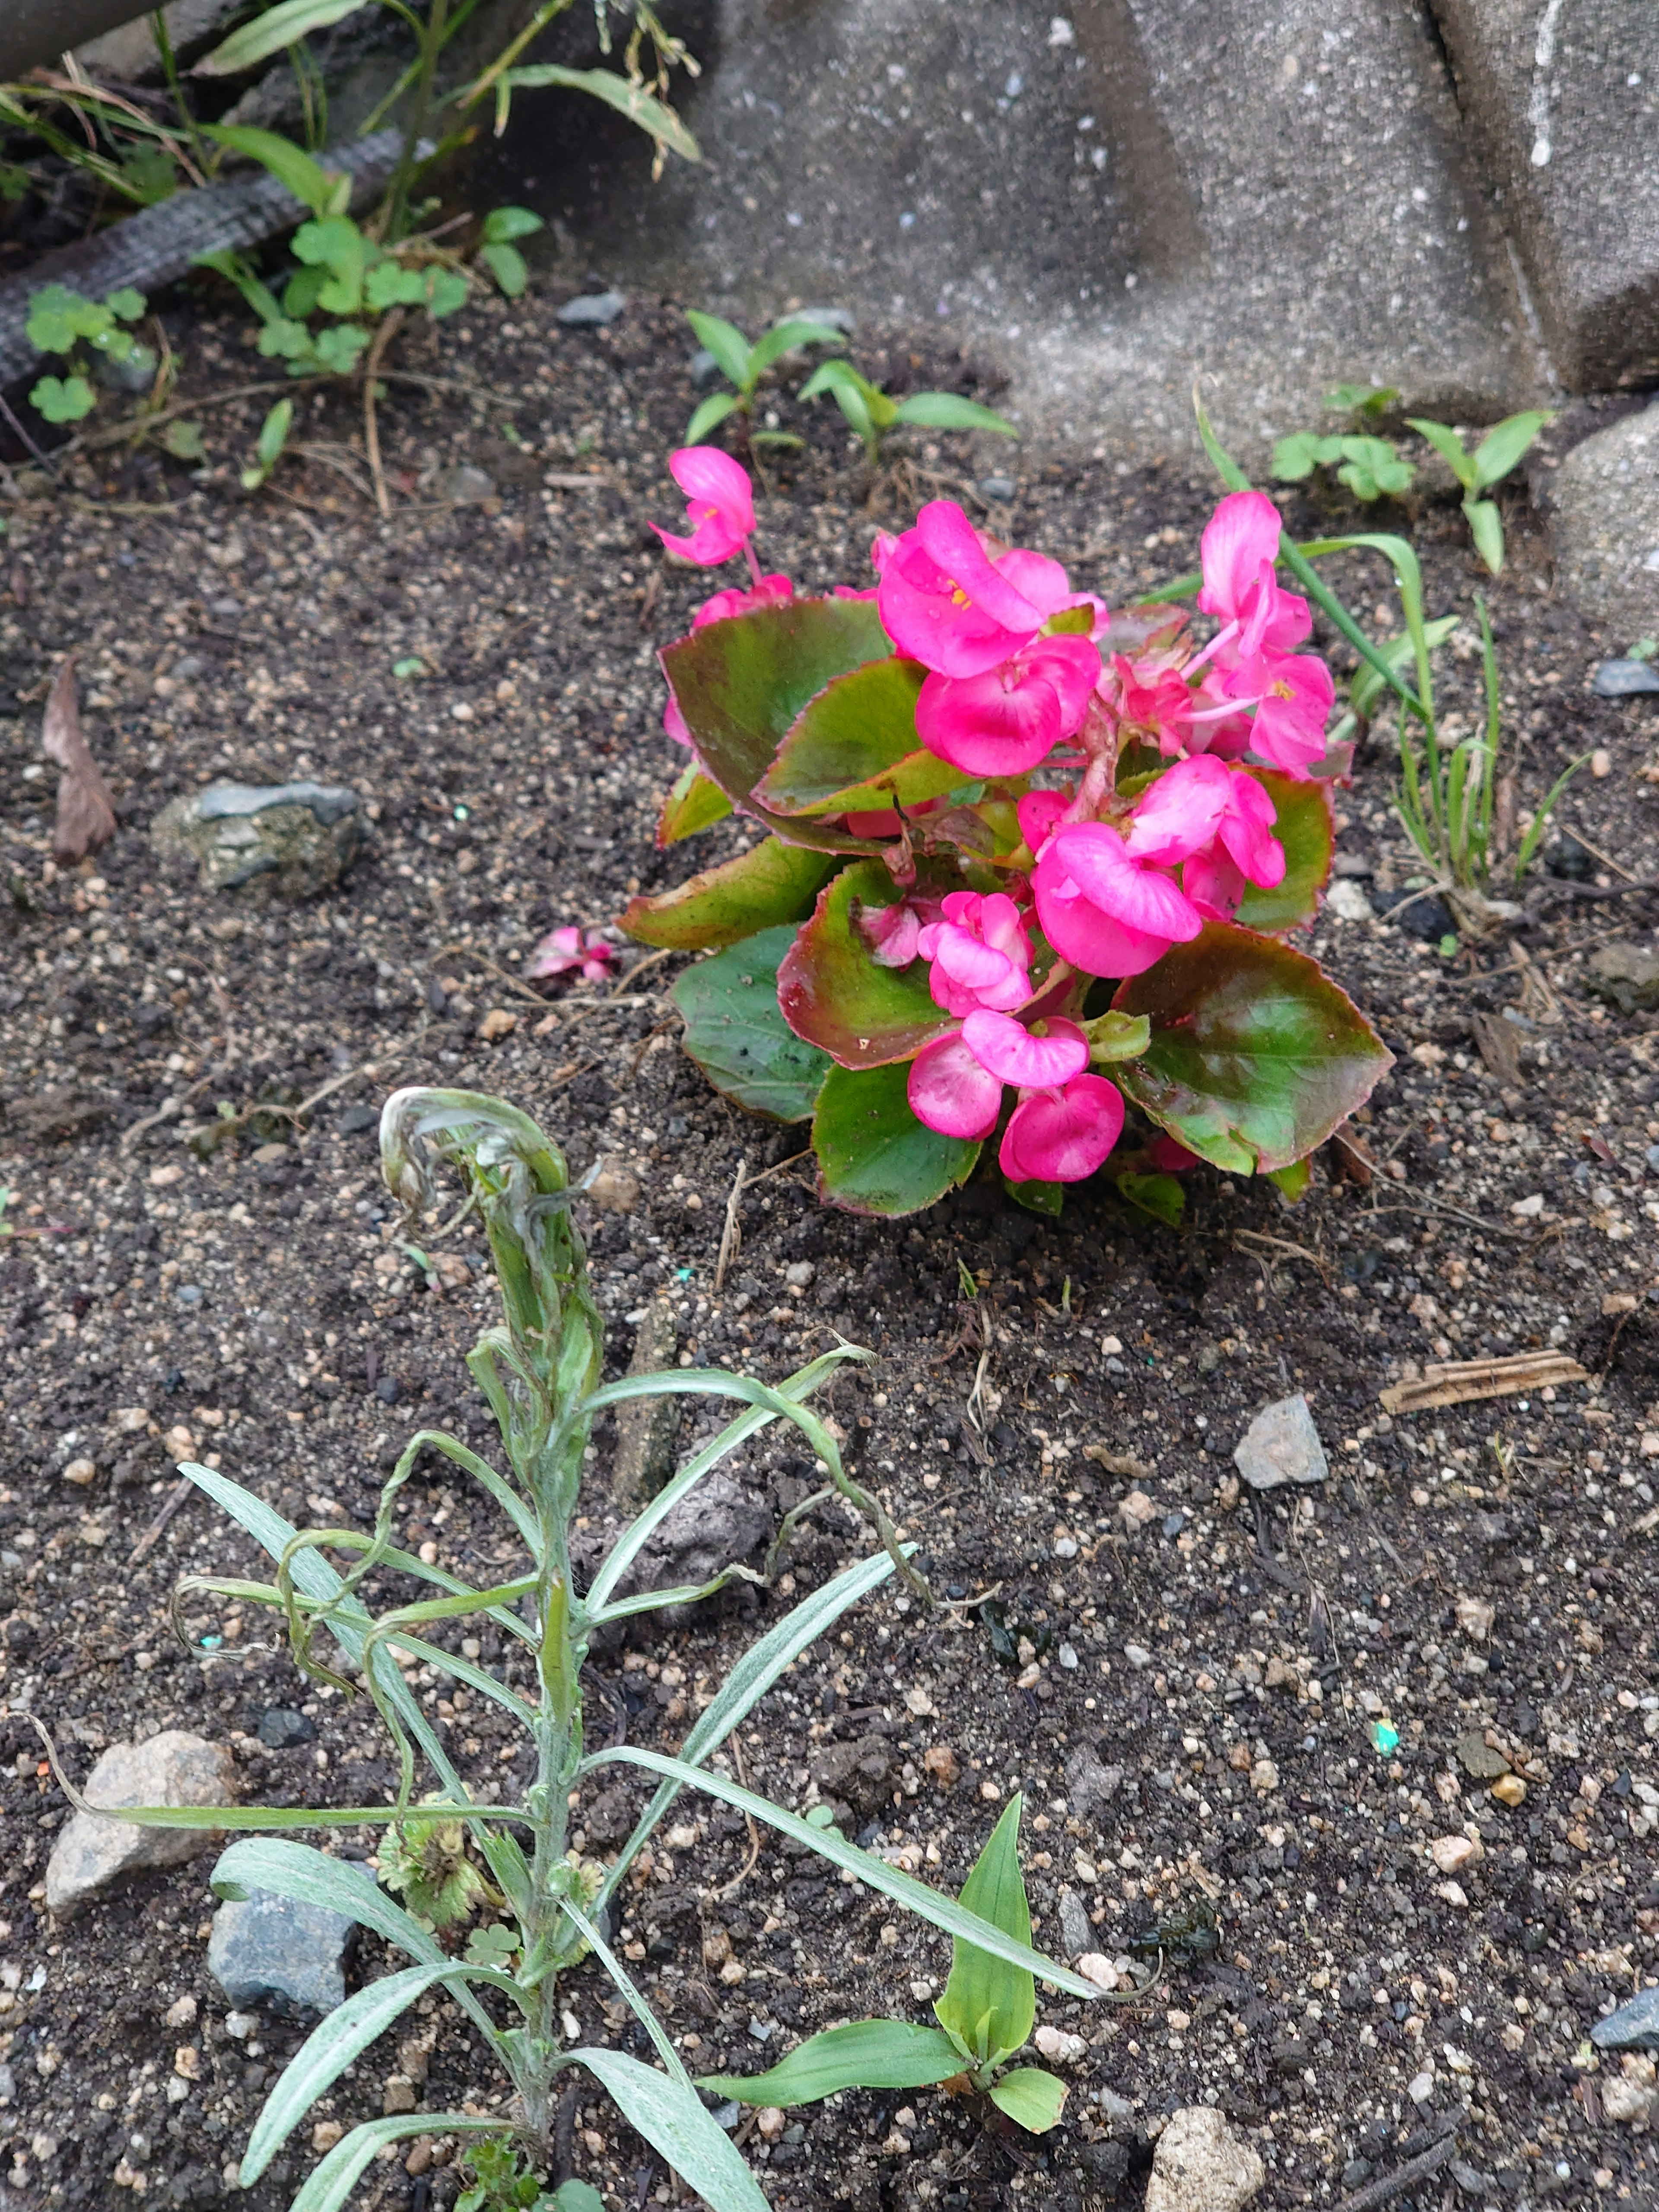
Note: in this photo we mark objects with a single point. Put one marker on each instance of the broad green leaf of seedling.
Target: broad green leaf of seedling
(988, 2006)
(507, 266)
(284, 339)
(389, 284)
(62, 398)
(406, 670)
(493, 1946)
(504, 223)
(447, 292)
(1368, 400)
(184, 441)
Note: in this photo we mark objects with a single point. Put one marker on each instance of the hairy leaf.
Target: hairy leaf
(331, 2181)
(670, 2117)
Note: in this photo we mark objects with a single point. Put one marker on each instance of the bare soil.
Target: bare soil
(1224, 1658)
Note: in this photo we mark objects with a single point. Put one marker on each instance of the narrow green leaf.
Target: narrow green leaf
(1449, 446)
(694, 804)
(748, 1681)
(948, 411)
(735, 1032)
(943, 1912)
(291, 166)
(874, 1155)
(771, 882)
(1032, 2098)
(725, 342)
(668, 2114)
(328, 2185)
(1486, 525)
(835, 994)
(712, 411)
(787, 337)
(632, 100)
(325, 2054)
(990, 2005)
(866, 2054)
(1505, 443)
(1367, 685)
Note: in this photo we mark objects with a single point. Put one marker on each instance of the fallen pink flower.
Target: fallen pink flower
(1006, 720)
(1103, 911)
(563, 949)
(1062, 1136)
(719, 506)
(951, 1093)
(944, 601)
(980, 952)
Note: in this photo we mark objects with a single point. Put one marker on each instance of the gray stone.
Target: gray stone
(718, 1525)
(1624, 679)
(276, 1952)
(1634, 2026)
(465, 485)
(1625, 976)
(92, 1857)
(297, 839)
(1348, 903)
(1200, 2164)
(1563, 103)
(1089, 1783)
(592, 310)
(1604, 515)
(860, 1774)
(1090, 199)
(281, 1729)
(1077, 1935)
(646, 1428)
(1282, 1445)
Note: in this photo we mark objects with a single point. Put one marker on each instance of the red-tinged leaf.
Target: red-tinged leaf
(85, 815)
(874, 1156)
(771, 882)
(853, 747)
(743, 682)
(1255, 1055)
(694, 804)
(834, 993)
(1305, 826)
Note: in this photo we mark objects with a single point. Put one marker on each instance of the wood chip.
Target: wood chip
(1117, 1462)
(1458, 1381)
(1351, 1159)
(86, 817)
(1498, 1043)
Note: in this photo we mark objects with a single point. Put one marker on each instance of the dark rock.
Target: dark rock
(1076, 1934)
(1090, 1783)
(276, 1952)
(281, 1729)
(1569, 860)
(295, 838)
(1634, 2026)
(1625, 976)
(861, 1773)
(1421, 914)
(357, 1121)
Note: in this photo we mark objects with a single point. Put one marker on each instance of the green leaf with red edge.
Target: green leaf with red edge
(1255, 1054)
(855, 747)
(771, 883)
(1305, 828)
(742, 684)
(835, 994)
(874, 1156)
(694, 804)
(737, 1035)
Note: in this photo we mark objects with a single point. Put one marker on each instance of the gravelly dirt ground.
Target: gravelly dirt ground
(258, 1300)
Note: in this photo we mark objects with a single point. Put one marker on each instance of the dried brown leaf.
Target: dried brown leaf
(86, 816)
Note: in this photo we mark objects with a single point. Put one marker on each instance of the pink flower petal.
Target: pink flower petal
(725, 604)
(1037, 578)
(1241, 533)
(1011, 1053)
(950, 1092)
(1038, 813)
(1215, 884)
(891, 933)
(1063, 1139)
(942, 602)
(713, 479)
(1180, 813)
(1095, 858)
(1289, 729)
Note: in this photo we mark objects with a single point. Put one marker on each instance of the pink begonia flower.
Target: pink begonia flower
(719, 506)
(1062, 1136)
(1104, 912)
(944, 601)
(1038, 813)
(890, 931)
(1296, 693)
(1154, 698)
(980, 952)
(951, 1093)
(1199, 802)
(1239, 548)
(1015, 1055)
(721, 608)
(565, 949)
(1006, 720)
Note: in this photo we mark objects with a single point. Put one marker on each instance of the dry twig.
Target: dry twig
(731, 1235)
(383, 338)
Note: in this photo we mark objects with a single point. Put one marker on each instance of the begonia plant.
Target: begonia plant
(1009, 840)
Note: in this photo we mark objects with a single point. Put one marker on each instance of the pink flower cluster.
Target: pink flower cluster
(1109, 885)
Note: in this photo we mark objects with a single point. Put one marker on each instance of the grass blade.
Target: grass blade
(328, 2185)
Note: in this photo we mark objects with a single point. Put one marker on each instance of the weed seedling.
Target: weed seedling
(872, 414)
(744, 365)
